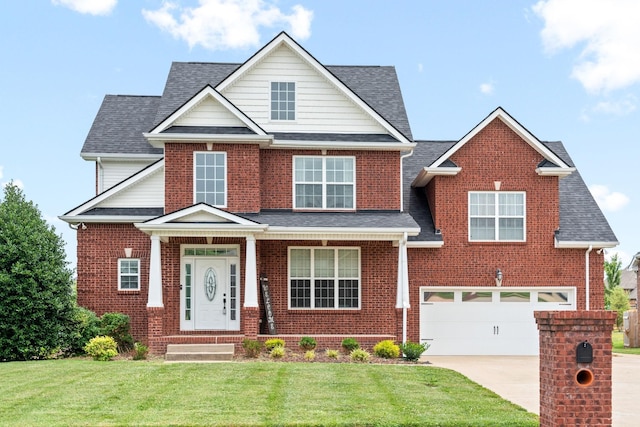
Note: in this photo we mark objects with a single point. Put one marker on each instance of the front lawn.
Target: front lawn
(83, 392)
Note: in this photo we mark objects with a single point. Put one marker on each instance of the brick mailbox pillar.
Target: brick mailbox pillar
(575, 367)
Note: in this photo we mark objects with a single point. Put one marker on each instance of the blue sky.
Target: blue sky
(567, 70)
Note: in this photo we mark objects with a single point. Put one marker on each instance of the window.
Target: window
(324, 278)
(497, 216)
(324, 182)
(283, 101)
(211, 178)
(129, 274)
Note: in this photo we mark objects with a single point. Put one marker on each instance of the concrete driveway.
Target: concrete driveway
(516, 378)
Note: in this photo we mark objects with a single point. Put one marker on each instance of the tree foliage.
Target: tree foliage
(36, 299)
(619, 300)
(612, 277)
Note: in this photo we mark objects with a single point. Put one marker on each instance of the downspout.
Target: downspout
(409, 154)
(100, 175)
(586, 273)
(403, 276)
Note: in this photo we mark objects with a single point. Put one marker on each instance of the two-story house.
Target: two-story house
(284, 174)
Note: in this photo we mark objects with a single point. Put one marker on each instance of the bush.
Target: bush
(350, 344)
(272, 343)
(85, 326)
(116, 325)
(277, 352)
(360, 355)
(140, 351)
(101, 348)
(386, 349)
(251, 348)
(307, 343)
(332, 354)
(309, 355)
(413, 350)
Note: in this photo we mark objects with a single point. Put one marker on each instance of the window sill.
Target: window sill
(323, 310)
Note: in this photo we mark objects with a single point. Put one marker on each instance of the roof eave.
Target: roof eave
(341, 145)
(159, 140)
(560, 172)
(427, 173)
(569, 244)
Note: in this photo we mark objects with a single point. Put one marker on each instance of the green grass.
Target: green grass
(618, 344)
(81, 392)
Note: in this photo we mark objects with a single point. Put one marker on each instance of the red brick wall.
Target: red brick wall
(243, 168)
(99, 248)
(377, 315)
(564, 400)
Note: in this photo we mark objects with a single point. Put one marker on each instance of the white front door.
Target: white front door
(211, 294)
(210, 288)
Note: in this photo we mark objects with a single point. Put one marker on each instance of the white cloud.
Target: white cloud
(487, 88)
(1, 171)
(91, 7)
(18, 183)
(420, 68)
(620, 107)
(608, 200)
(607, 32)
(227, 24)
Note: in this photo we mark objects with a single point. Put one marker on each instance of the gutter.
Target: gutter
(404, 156)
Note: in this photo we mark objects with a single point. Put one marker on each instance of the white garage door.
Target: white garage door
(481, 321)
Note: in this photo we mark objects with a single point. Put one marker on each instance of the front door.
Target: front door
(209, 288)
(210, 294)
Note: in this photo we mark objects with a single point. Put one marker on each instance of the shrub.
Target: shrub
(332, 354)
(140, 351)
(251, 348)
(277, 352)
(360, 355)
(85, 325)
(386, 349)
(116, 325)
(272, 343)
(350, 344)
(309, 355)
(413, 350)
(307, 343)
(101, 348)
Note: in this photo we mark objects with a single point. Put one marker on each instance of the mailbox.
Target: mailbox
(584, 353)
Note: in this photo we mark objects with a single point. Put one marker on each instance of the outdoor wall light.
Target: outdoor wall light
(498, 277)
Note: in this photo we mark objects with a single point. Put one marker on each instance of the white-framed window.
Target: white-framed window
(324, 278)
(283, 101)
(129, 274)
(210, 178)
(324, 182)
(497, 216)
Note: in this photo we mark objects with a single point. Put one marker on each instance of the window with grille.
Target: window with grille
(497, 216)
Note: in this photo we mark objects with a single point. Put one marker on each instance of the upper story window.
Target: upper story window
(129, 274)
(497, 216)
(283, 101)
(323, 182)
(210, 178)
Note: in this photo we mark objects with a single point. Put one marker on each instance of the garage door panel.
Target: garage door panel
(501, 325)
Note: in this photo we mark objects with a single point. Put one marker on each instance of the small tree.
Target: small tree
(619, 301)
(612, 277)
(36, 299)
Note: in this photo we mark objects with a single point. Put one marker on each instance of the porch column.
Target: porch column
(155, 274)
(402, 292)
(251, 276)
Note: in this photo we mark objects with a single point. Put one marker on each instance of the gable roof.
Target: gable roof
(118, 126)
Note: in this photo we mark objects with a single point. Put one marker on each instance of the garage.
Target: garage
(481, 321)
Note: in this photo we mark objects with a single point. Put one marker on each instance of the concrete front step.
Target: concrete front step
(199, 352)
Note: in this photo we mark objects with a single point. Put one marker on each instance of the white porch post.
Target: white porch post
(402, 292)
(251, 276)
(155, 274)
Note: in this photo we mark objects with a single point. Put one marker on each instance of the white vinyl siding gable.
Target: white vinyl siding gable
(320, 106)
(208, 112)
(112, 172)
(497, 216)
(146, 193)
